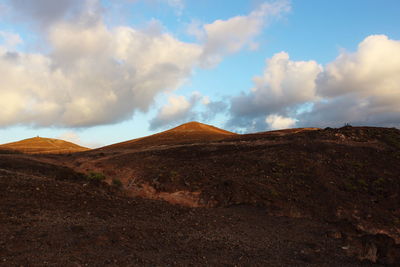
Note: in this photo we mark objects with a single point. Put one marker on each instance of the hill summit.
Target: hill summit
(191, 132)
(40, 145)
(197, 127)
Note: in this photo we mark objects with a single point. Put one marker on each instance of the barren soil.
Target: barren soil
(303, 197)
(61, 223)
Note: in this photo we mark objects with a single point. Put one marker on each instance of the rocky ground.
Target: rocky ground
(50, 222)
(290, 198)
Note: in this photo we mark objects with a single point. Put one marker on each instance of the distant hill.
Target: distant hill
(39, 145)
(191, 132)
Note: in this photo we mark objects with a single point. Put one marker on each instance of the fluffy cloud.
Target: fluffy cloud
(277, 122)
(224, 37)
(178, 110)
(361, 88)
(175, 110)
(373, 70)
(284, 85)
(93, 74)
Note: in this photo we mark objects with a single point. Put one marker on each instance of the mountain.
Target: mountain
(188, 133)
(40, 145)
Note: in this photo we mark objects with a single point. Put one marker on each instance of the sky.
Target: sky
(97, 72)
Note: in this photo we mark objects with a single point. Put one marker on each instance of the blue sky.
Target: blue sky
(71, 72)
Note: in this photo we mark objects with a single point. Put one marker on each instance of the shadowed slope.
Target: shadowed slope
(191, 132)
(38, 145)
(47, 221)
(298, 197)
(349, 176)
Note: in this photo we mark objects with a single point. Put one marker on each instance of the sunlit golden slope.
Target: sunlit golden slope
(38, 145)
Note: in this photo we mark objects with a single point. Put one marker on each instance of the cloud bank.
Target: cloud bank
(92, 74)
(361, 88)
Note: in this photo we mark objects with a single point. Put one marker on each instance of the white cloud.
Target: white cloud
(95, 75)
(177, 109)
(373, 69)
(284, 85)
(196, 28)
(285, 82)
(277, 122)
(176, 106)
(224, 37)
(361, 88)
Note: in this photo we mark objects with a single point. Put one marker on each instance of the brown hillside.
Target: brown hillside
(53, 218)
(349, 176)
(188, 133)
(321, 197)
(287, 131)
(39, 145)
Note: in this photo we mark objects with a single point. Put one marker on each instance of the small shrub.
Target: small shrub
(362, 182)
(95, 176)
(174, 176)
(274, 193)
(117, 183)
(379, 182)
(348, 186)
